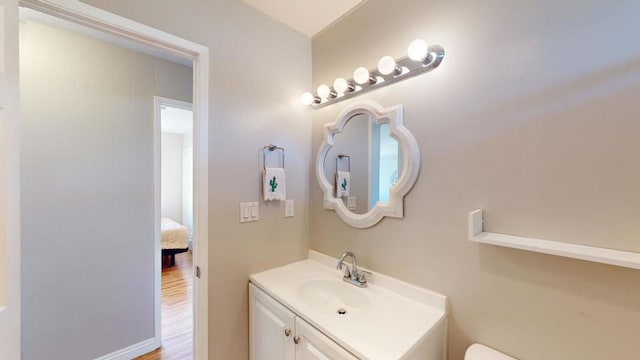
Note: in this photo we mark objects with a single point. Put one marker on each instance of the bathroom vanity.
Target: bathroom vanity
(306, 311)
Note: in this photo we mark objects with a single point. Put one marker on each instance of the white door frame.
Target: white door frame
(9, 183)
(81, 13)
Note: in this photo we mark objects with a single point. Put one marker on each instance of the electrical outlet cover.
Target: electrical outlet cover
(288, 208)
(351, 203)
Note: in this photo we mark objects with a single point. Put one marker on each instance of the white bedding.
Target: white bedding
(174, 235)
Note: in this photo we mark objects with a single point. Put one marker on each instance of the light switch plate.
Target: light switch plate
(244, 213)
(249, 212)
(254, 211)
(288, 208)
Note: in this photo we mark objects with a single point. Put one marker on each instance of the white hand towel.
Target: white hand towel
(274, 185)
(343, 183)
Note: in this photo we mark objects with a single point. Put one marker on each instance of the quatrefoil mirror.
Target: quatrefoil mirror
(367, 164)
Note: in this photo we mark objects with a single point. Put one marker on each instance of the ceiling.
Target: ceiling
(309, 17)
(174, 120)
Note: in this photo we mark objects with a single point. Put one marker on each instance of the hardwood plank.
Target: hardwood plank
(177, 310)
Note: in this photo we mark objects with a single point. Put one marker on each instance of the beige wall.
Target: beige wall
(532, 116)
(258, 70)
(87, 175)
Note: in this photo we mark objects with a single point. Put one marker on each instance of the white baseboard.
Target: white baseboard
(133, 351)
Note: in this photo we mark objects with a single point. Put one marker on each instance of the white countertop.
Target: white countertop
(385, 320)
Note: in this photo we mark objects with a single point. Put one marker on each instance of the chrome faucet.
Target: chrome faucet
(354, 276)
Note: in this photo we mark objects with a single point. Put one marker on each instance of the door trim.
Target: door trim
(9, 183)
(81, 13)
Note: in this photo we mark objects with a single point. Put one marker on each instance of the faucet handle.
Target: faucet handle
(362, 275)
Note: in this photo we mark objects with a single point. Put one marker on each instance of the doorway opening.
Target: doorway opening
(174, 119)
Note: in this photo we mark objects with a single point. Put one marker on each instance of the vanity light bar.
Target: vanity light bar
(421, 58)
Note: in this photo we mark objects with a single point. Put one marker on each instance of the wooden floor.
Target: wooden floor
(177, 315)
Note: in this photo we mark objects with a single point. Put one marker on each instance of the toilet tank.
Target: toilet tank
(481, 352)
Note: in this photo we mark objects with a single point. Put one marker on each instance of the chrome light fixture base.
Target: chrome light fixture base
(410, 68)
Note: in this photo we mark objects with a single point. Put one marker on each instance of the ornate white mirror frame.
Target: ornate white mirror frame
(392, 116)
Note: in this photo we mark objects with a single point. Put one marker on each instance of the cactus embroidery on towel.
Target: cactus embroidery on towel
(344, 184)
(274, 184)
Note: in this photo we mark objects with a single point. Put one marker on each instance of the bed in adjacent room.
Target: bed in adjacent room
(175, 238)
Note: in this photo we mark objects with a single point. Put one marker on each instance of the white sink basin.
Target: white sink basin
(333, 296)
(387, 320)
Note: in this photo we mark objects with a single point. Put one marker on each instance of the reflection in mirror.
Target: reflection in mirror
(385, 160)
(363, 163)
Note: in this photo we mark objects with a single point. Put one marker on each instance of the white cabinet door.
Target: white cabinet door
(271, 328)
(9, 184)
(314, 345)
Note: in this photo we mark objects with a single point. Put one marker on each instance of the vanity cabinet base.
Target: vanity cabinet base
(276, 333)
(306, 300)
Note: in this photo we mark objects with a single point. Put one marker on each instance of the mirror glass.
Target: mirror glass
(363, 163)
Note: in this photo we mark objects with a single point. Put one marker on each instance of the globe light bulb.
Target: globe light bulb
(340, 85)
(361, 75)
(386, 65)
(307, 99)
(418, 50)
(323, 91)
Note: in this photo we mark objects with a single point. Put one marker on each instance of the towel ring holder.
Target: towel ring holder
(271, 148)
(343, 156)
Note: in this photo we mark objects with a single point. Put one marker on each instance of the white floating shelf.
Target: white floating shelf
(589, 253)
